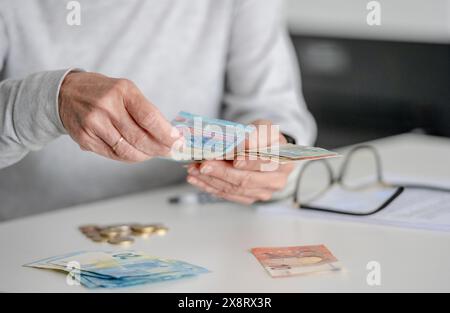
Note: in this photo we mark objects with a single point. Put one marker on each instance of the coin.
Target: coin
(88, 228)
(92, 234)
(121, 227)
(161, 230)
(144, 229)
(121, 240)
(120, 233)
(111, 232)
(98, 239)
(142, 235)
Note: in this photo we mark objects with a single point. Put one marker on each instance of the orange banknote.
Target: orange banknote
(290, 261)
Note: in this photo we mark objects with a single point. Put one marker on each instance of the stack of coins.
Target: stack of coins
(122, 234)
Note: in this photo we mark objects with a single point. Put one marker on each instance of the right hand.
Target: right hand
(98, 111)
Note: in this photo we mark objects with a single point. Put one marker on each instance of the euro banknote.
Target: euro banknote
(98, 269)
(207, 138)
(290, 261)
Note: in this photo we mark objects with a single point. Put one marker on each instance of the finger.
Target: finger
(138, 137)
(264, 166)
(151, 119)
(234, 198)
(95, 144)
(227, 188)
(265, 134)
(259, 165)
(246, 179)
(106, 131)
(128, 153)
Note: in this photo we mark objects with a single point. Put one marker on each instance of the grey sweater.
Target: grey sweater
(228, 58)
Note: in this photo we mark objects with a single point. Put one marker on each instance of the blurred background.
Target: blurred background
(365, 82)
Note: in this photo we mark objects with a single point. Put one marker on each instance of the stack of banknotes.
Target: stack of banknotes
(287, 153)
(207, 139)
(99, 269)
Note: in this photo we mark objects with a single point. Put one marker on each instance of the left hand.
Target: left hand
(242, 181)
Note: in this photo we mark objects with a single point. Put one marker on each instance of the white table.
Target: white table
(219, 237)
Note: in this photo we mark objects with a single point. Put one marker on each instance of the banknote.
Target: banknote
(208, 138)
(115, 269)
(287, 153)
(290, 261)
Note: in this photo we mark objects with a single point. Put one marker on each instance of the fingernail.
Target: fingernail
(206, 169)
(240, 164)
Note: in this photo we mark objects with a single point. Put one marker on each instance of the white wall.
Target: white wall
(410, 20)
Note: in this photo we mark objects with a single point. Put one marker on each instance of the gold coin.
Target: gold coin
(121, 241)
(106, 233)
(113, 232)
(142, 235)
(161, 230)
(144, 229)
(98, 239)
(121, 227)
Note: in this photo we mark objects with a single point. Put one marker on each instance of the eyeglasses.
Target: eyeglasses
(359, 188)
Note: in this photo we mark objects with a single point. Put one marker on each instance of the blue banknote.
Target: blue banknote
(208, 138)
(99, 269)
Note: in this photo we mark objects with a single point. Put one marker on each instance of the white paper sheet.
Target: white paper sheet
(414, 208)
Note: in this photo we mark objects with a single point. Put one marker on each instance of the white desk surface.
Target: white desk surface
(219, 237)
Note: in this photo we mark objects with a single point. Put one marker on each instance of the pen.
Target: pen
(194, 198)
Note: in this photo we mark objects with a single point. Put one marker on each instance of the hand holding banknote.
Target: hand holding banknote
(111, 117)
(245, 180)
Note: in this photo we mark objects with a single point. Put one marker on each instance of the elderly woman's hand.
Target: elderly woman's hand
(243, 181)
